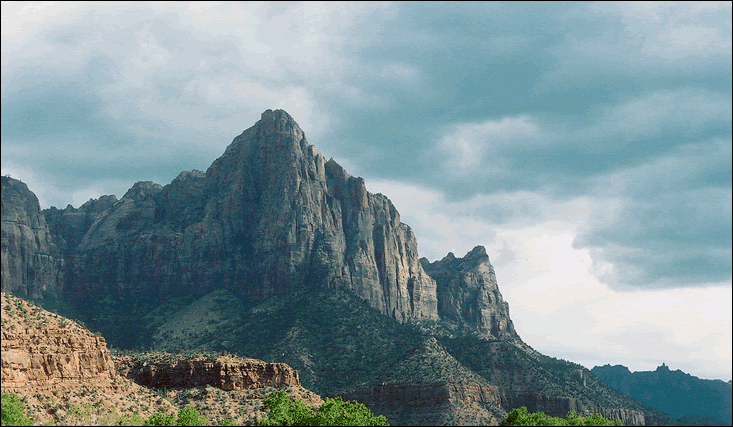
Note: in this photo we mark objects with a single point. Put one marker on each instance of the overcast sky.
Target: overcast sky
(587, 146)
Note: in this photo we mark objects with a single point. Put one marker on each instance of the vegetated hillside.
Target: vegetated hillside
(342, 346)
(699, 401)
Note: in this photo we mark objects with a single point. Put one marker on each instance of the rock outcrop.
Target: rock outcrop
(41, 350)
(68, 226)
(31, 263)
(269, 216)
(468, 294)
(223, 372)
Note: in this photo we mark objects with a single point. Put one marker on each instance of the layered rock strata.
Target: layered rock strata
(31, 263)
(41, 350)
(430, 387)
(226, 373)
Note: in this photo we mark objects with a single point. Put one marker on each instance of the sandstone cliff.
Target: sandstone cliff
(468, 294)
(31, 263)
(41, 349)
(223, 372)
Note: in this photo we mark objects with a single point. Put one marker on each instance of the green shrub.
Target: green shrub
(189, 416)
(12, 412)
(161, 419)
(336, 412)
(281, 410)
(520, 417)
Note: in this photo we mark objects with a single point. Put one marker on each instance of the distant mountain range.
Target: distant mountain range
(686, 397)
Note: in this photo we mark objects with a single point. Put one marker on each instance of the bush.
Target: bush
(160, 419)
(336, 412)
(12, 412)
(281, 410)
(189, 416)
(520, 417)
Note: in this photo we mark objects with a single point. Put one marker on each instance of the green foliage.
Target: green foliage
(281, 410)
(129, 420)
(189, 416)
(13, 411)
(161, 419)
(520, 417)
(336, 412)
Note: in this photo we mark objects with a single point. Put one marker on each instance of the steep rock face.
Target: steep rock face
(269, 215)
(468, 293)
(68, 226)
(226, 373)
(41, 349)
(31, 263)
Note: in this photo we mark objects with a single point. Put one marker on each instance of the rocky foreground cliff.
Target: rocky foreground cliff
(66, 375)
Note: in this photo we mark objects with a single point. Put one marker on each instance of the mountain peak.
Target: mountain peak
(279, 121)
(270, 115)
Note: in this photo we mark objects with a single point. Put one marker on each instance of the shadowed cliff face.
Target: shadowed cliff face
(269, 216)
(31, 263)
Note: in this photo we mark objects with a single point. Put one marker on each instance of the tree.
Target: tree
(281, 410)
(336, 412)
(161, 419)
(520, 417)
(12, 412)
(189, 416)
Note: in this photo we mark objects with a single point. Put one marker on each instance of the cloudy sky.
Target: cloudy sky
(587, 146)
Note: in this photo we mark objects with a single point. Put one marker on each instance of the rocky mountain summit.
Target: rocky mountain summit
(279, 254)
(269, 216)
(468, 294)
